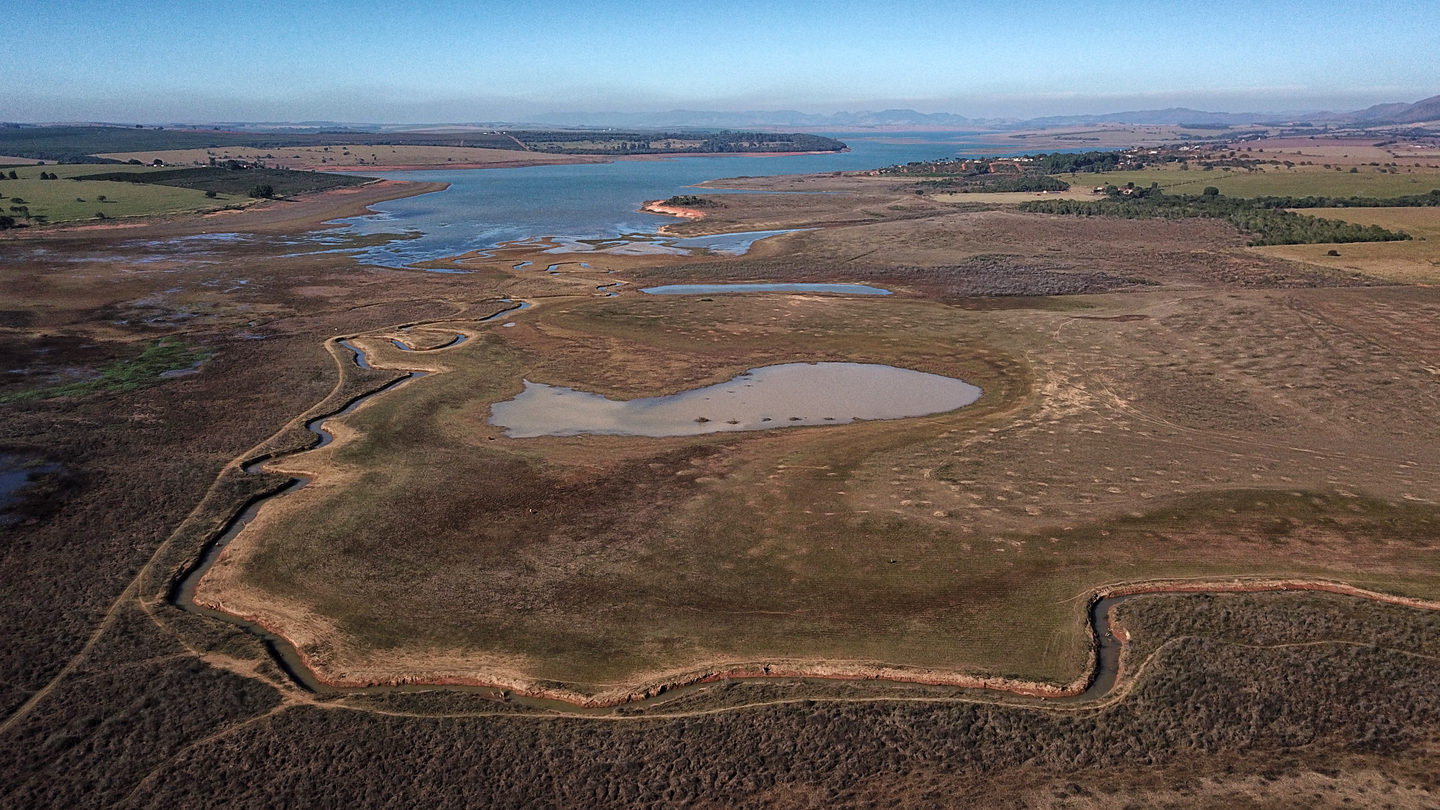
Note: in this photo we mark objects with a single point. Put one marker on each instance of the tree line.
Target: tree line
(1269, 225)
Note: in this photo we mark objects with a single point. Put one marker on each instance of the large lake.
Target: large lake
(485, 207)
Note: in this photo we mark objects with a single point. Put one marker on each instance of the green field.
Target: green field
(69, 200)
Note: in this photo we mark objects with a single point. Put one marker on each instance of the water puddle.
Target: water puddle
(733, 244)
(712, 289)
(16, 473)
(788, 395)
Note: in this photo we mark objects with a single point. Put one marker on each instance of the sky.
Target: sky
(169, 61)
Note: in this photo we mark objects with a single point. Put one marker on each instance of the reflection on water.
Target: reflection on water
(787, 395)
(712, 289)
(16, 473)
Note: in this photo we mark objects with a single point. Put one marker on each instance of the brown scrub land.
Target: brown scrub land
(886, 611)
(1160, 433)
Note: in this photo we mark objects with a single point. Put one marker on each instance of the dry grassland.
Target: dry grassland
(1174, 433)
(1300, 181)
(1190, 407)
(1414, 262)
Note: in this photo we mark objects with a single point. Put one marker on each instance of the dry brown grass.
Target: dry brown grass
(1222, 391)
(1147, 435)
(1414, 262)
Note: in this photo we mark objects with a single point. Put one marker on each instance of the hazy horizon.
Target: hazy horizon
(259, 60)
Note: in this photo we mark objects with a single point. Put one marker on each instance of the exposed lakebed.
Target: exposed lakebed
(786, 395)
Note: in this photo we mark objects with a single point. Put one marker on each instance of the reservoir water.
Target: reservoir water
(486, 207)
(786, 395)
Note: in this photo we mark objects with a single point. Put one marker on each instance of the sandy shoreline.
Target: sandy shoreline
(660, 207)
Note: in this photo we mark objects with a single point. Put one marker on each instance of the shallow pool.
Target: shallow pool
(734, 244)
(788, 395)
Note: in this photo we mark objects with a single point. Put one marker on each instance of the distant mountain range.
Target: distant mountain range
(1424, 111)
(1378, 115)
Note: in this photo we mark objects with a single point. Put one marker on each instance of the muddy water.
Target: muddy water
(16, 473)
(787, 395)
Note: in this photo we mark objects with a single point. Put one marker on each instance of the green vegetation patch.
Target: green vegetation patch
(150, 368)
(1271, 226)
(691, 201)
(62, 196)
(239, 182)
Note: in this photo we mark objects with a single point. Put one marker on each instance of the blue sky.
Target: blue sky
(167, 61)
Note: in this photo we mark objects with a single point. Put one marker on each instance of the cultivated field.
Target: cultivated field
(68, 200)
(1414, 262)
(1300, 181)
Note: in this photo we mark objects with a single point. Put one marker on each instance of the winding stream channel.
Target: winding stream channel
(1107, 645)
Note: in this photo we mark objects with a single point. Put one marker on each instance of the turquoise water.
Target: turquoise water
(485, 207)
(712, 289)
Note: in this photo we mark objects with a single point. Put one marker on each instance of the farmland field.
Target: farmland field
(1414, 262)
(67, 200)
